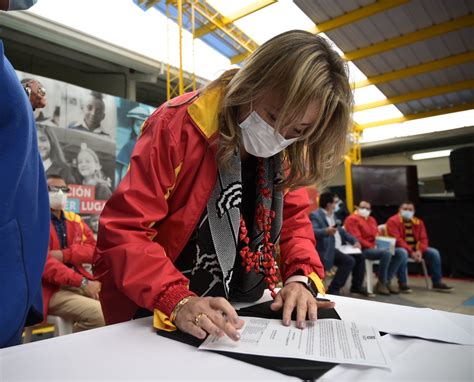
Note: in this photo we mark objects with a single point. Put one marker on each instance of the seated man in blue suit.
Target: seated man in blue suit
(330, 237)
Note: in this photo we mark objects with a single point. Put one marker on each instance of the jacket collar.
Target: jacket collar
(322, 216)
(204, 112)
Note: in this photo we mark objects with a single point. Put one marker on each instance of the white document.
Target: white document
(406, 320)
(412, 360)
(349, 250)
(324, 340)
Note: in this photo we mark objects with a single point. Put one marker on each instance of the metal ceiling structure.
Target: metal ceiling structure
(419, 53)
(206, 23)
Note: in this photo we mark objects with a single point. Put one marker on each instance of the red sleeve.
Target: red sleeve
(352, 226)
(423, 237)
(297, 243)
(78, 254)
(138, 265)
(393, 229)
(57, 273)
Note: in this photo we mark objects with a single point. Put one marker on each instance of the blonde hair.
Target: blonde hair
(304, 69)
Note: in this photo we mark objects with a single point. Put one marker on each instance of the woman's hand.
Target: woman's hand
(296, 295)
(213, 315)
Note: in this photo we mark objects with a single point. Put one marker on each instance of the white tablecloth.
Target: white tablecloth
(132, 351)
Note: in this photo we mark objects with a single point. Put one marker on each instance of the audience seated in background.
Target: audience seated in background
(330, 237)
(364, 228)
(410, 233)
(68, 289)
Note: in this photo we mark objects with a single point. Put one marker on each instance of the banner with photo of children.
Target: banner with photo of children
(87, 138)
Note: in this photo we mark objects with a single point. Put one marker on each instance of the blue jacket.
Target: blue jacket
(326, 244)
(24, 210)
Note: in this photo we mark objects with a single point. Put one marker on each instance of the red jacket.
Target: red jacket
(364, 230)
(80, 249)
(148, 220)
(396, 228)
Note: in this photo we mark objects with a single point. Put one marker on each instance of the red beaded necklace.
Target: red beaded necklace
(264, 218)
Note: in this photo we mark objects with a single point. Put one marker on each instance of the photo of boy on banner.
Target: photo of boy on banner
(91, 112)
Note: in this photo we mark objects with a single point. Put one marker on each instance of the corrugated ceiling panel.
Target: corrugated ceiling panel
(432, 49)
(437, 102)
(402, 20)
(323, 10)
(440, 77)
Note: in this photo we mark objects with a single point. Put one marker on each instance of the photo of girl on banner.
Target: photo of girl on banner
(89, 167)
(52, 155)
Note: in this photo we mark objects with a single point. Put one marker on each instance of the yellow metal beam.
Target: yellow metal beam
(426, 114)
(240, 57)
(230, 30)
(349, 188)
(225, 20)
(411, 38)
(358, 14)
(361, 13)
(417, 95)
(148, 3)
(415, 70)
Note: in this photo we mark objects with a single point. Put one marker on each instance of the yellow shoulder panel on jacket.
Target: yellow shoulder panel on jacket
(71, 216)
(205, 110)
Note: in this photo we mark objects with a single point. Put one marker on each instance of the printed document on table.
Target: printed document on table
(324, 340)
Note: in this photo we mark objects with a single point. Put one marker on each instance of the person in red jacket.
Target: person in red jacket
(69, 291)
(364, 228)
(215, 182)
(412, 240)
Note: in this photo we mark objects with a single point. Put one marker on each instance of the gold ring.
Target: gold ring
(198, 318)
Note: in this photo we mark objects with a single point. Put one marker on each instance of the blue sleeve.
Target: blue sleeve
(318, 228)
(24, 209)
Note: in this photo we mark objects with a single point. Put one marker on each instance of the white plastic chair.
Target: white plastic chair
(61, 327)
(369, 274)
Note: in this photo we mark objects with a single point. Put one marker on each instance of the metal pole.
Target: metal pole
(349, 188)
(180, 25)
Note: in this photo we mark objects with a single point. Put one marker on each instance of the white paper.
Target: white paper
(405, 320)
(349, 250)
(413, 360)
(324, 340)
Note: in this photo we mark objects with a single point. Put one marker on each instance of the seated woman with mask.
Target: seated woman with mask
(215, 183)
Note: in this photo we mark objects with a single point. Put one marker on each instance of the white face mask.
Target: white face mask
(407, 215)
(260, 139)
(364, 212)
(57, 200)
